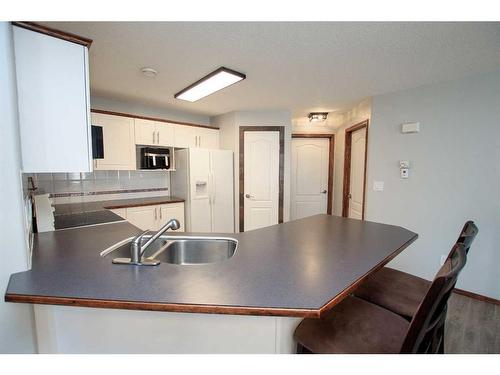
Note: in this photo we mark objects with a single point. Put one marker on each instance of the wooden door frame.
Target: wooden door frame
(347, 167)
(243, 129)
(331, 149)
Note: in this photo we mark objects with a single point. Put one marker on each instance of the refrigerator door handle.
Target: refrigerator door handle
(214, 188)
(211, 187)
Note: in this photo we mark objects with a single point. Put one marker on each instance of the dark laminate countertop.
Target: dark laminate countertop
(300, 268)
(72, 208)
(82, 219)
(71, 215)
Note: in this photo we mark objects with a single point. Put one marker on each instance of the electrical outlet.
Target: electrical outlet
(443, 259)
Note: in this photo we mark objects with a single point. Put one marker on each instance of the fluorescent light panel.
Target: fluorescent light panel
(215, 81)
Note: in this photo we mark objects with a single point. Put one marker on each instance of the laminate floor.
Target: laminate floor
(472, 326)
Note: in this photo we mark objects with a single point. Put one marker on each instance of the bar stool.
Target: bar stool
(402, 292)
(358, 326)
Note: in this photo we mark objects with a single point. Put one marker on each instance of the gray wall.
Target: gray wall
(454, 175)
(16, 320)
(135, 108)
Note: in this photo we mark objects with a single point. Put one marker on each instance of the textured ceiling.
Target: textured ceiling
(298, 66)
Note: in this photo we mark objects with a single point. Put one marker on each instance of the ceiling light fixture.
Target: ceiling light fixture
(215, 81)
(149, 72)
(317, 116)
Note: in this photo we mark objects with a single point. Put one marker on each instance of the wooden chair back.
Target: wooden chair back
(425, 333)
(467, 235)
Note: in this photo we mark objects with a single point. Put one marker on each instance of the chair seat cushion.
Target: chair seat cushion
(397, 291)
(353, 326)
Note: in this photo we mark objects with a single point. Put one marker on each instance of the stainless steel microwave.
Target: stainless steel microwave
(155, 158)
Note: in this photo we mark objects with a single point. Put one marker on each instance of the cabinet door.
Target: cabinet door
(145, 132)
(144, 217)
(172, 211)
(53, 101)
(122, 212)
(119, 144)
(185, 136)
(208, 138)
(165, 134)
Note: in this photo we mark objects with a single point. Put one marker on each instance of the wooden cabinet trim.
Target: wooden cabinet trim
(69, 37)
(152, 119)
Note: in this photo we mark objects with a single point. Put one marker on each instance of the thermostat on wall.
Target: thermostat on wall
(410, 127)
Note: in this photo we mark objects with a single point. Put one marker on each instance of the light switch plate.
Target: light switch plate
(378, 185)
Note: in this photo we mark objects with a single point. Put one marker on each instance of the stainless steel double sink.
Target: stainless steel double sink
(183, 250)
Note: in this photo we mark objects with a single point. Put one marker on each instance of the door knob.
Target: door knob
(324, 192)
(349, 196)
(248, 196)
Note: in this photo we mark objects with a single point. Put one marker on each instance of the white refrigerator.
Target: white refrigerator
(204, 178)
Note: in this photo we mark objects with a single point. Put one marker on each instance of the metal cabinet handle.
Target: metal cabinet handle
(159, 209)
(154, 137)
(158, 137)
(200, 140)
(156, 213)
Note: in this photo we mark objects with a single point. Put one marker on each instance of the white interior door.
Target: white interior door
(357, 177)
(309, 185)
(261, 172)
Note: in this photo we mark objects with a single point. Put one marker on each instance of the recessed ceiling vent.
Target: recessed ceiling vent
(149, 72)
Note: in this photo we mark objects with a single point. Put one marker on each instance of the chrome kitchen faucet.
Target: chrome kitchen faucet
(136, 250)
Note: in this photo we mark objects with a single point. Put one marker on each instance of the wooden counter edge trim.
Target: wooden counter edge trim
(158, 306)
(69, 37)
(122, 114)
(337, 299)
(130, 205)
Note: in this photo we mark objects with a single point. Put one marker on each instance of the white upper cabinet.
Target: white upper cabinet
(196, 137)
(145, 132)
(208, 138)
(154, 133)
(186, 136)
(165, 134)
(53, 100)
(118, 140)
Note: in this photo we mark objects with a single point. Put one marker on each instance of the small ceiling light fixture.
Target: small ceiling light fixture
(149, 72)
(317, 116)
(215, 81)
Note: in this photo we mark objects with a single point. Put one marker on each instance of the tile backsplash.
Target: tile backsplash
(103, 183)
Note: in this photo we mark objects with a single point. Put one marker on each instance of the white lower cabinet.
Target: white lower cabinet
(144, 217)
(154, 217)
(122, 212)
(172, 211)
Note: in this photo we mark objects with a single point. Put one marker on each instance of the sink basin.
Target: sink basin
(197, 251)
(182, 250)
